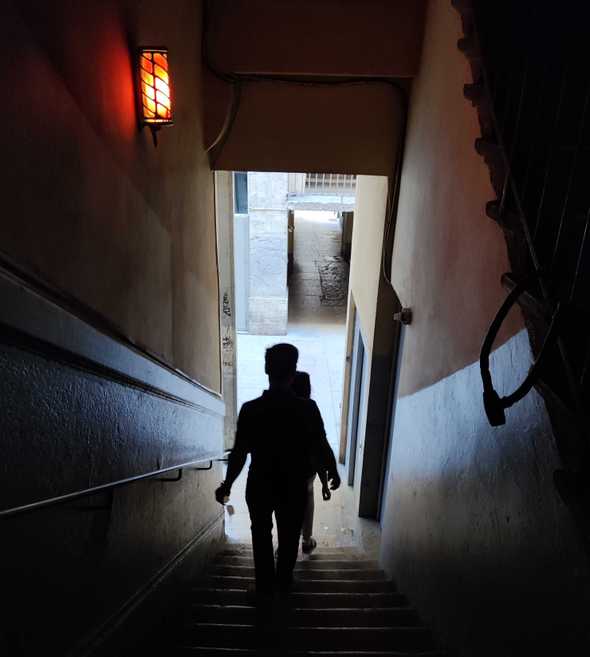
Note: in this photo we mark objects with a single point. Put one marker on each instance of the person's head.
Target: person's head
(301, 385)
(280, 363)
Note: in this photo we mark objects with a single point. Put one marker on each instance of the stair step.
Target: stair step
(463, 6)
(199, 651)
(489, 149)
(321, 553)
(493, 155)
(469, 47)
(309, 563)
(247, 547)
(322, 638)
(310, 585)
(507, 219)
(306, 574)
(312, 600)
(474, 91)
(300, 617)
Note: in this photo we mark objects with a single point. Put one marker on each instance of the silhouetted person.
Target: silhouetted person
(325, 463)
(278, 430)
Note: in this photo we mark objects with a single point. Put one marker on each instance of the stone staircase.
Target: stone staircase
(342, 604)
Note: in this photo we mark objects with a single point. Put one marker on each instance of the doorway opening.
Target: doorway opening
(291, 255)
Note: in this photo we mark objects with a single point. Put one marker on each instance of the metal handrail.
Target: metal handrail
(68, 497)
(492, 406)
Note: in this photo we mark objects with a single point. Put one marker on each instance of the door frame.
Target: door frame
(355, 397)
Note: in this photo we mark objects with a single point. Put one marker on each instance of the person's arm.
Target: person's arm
(326, 458)
(332, 468)
(237, 457)
(323, 475)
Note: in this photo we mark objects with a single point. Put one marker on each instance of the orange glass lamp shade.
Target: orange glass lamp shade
(154, 88)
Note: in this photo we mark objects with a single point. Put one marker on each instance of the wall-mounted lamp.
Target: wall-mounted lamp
(154, 89)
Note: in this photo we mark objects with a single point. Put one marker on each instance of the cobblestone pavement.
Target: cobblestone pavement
(318, 284)
(318, 330)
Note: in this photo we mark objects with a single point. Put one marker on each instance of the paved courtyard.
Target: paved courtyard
(317, 328)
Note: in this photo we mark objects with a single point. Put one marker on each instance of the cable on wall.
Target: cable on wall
(237, 80)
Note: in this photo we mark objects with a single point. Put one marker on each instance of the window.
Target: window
(329, 183)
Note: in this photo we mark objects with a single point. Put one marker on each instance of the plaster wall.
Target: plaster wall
(125, 229)
(344, 128)
(372, 301)
(316, 37)
(68, 572)
(125, 234)
(367, 244)
(224, 213)
(473, 529)
(290, 127)
(448, 256)
(363, 286)
(268, 253)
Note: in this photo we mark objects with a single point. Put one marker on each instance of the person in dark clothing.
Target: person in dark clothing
(325, 465)
(278, 430)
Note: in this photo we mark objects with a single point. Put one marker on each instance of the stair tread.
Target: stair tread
(488, 147)
(342, 603)
(506, 218)
(307, 562)
(295, 594)
(239, 567)
(207, 650)
(469, 47)
(305, 617)
(322, 638)
(346, 556)
(307, 609)
(307, 573)
(332, 639)
(311, 599)
(250, 578)
(344, 551)
(317, 628)
(309, 585)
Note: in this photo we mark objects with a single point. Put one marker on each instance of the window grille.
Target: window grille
(329, 183)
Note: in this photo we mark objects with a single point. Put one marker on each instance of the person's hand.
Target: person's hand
(222, 493)
(326, 493)
(334, 478)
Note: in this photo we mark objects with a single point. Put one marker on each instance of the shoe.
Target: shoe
(307, 547)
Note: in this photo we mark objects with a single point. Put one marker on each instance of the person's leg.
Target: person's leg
(289, 514)
(260, 507)
(307, 529)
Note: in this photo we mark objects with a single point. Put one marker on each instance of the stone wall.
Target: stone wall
(268, 296)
